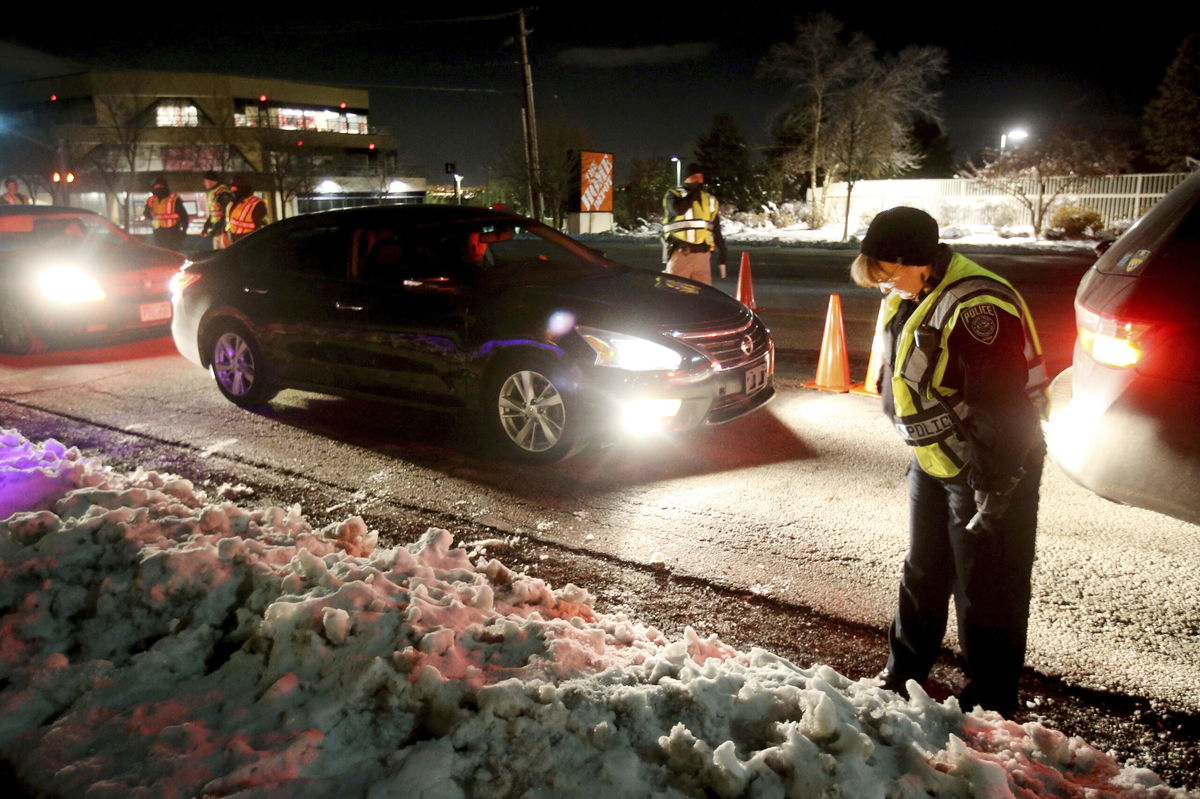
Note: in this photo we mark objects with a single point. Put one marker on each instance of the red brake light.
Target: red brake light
(1110, 340)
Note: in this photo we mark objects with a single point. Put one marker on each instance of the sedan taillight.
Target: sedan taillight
(1110, 340)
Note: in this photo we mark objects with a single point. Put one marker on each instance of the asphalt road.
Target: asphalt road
(796, 511)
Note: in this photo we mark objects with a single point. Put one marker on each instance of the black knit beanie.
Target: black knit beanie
(902, 235)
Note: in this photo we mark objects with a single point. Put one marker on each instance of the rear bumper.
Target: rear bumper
(1128, 438)
(103, 319)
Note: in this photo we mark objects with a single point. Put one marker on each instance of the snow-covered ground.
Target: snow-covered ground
(159, 642)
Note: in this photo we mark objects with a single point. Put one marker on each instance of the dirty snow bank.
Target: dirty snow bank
(160, 643)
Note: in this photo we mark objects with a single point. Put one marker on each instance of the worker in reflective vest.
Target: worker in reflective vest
(167, 214)
(218, 197)
(964, 382)
(247, 213)
(692, 230)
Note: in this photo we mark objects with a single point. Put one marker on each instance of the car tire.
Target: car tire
(531, 409)
(237, 364)
(16, 334)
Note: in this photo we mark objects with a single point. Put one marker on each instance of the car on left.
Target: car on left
(68, 275)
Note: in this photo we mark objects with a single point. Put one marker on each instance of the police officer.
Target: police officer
(247, 213)
(692, 229)
(218, 198)
(964, 383)
(170, 219)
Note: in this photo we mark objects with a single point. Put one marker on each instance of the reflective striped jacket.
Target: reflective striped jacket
(930, 416)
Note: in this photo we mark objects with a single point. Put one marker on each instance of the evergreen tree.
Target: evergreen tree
(641, 198)
(1170, 122)
(725, 158)
(932, 145)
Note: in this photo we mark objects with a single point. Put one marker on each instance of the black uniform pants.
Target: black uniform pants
(987, 573)
(171, 238)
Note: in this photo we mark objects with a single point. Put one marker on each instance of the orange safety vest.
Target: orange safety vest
(241, 216)
(164, 210)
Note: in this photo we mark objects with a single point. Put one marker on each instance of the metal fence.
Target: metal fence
(958, 201)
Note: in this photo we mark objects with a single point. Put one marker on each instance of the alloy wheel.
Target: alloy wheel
(532, 412)
(233, 364)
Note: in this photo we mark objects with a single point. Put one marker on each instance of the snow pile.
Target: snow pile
(160, 644)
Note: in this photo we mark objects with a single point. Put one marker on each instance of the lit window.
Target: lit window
(176, 114)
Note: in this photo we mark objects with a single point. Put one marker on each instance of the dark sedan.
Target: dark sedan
(549, 344)
(1125, 419)
(69, 274)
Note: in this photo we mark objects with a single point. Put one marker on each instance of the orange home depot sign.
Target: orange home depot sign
(596, 187)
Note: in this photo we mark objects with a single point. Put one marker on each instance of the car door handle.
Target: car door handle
(254, 290)
(346, 306)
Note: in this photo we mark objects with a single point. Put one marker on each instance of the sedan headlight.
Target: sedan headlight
(630, 352)
(68, 284)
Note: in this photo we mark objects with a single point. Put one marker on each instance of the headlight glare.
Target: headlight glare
(622, 351)
(68, 284)
(649, 414)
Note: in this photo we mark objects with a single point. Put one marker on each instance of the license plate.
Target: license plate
(756, 378)
(155, 311)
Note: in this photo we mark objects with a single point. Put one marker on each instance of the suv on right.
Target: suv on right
(1125, 417)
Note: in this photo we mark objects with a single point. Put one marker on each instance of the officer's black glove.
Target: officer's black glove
(991, 505)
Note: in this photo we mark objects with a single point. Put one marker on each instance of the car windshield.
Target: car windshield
(22, 231)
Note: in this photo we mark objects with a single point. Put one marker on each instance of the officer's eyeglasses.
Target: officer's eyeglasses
(886, 285)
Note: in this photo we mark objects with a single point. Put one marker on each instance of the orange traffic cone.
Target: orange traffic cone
(833, 367)
(745, 286)
(875, 362)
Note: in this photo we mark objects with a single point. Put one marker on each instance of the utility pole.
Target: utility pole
(529, 126)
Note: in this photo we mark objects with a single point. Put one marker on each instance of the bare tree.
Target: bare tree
(220, 143)
(869, 130)
(559, 143)
(1043, 169)
(290, 165)
(124, 119)
(819, 65)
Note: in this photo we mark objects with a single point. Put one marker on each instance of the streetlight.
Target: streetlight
(678, 170)
(1016, 134)
(458, 188)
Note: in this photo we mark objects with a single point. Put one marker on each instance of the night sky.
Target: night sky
(637, 79)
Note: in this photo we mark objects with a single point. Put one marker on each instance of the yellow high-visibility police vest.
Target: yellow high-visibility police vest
(930, 422)
(695, 225)
(216, 211)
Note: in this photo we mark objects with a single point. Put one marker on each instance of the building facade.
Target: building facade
(303, 147)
